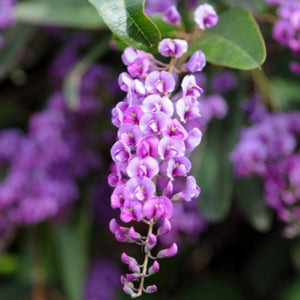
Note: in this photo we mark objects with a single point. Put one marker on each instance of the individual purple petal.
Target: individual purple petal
(151, 289)
(137, 92)
(196, 62)
(147, 146)
(118, 112)
(187, 108)
(153, 123)
(154, 103)
(193, 139)
(174, 128)
(125, 81)
(170, 147)
(170, 47)
(177, 166)
(190, 87)
(119, 196)
(191, 190)
(205, 16)
(130, 54)
(154, 268)
(168, 252)
(130, 134)
(120, 152)
(158, 207)
(160, 82)
(132, 115)
(172, 16)
(140, 188)
(148, 167)
(139, 67)
(132, 210)
(164, 228)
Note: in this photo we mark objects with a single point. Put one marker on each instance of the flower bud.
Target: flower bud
(133, 267)
(164, 228)
(150, 289)
(154, 268)
(175, 48)
(196, 62)
(168, 252)
(133, 234)
(205, 16)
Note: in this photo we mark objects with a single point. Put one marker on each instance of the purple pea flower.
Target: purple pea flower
(170, 147)
(158, 207)
(174, 128)
(154, 103)
(131, 210)
(147, 146)
(175, 48)
(190, 87)
(140, 188)
(205, 16)
(160, 82)
(172, 16)
(196, 62)
(187, 108)
(153, 123)
(148, 167)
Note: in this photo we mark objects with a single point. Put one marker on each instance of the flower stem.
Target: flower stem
(145, 263)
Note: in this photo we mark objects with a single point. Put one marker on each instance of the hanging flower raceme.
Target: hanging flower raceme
(155, 137)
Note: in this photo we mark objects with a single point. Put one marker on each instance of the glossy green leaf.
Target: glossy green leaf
(127, 20)
(67, 13)
(251, 202)
(235, 42)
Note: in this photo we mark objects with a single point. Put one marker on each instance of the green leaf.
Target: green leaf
(72, 82)
(235, 42)
(127, 20)
(14, 45)
(9, 263)
(211, 164)
(250, 200)
(286, 93)
(256, 6)
(72, 260)
(67, 13)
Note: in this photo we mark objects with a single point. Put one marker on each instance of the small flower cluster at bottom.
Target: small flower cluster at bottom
(158, 128)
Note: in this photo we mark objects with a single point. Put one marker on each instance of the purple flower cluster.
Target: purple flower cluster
(41, 167)
(157, 129)
(102, 281)
(282, 191)
(269, 150)
(287, 29)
